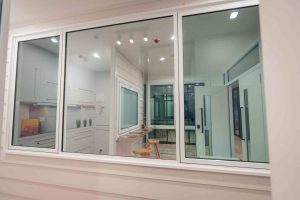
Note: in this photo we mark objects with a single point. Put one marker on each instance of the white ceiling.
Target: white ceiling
(82, 45)
(212, 42)
(47, 44)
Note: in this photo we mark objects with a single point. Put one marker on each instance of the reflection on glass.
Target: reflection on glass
(129, 108)
(121, 119)
(224, 116)
(36, 93)
(162, 105)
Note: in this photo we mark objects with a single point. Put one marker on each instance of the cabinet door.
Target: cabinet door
(30, 84)
(48, 94)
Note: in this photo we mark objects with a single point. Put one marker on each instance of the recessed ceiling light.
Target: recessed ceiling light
(96, 55)
(173, 37)
(234, 14)
(119, 42)
(54, 40)
(145, 39)
(162, 58)
(131, 40)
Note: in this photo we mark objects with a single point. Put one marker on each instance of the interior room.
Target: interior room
(119, 89)
(224, 59)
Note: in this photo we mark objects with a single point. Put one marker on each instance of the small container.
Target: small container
(84, 123)
(78, 123)
(90, 122)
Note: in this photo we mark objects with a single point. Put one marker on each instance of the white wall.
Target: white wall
(3, 55)
(35, 177)
(281, 49)
(102, 114)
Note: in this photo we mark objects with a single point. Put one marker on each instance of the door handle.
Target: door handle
(247, 120)
(202, 120)
(243, 123)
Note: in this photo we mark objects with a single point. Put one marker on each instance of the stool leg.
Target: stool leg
(157, 151)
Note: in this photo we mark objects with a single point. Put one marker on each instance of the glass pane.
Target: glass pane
(162, 106)
(129, 108)
(36, 93)
(224, 119)
(245, 63)
(117, 78)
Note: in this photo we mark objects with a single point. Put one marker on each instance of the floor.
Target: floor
(168, 151)
(238, 147)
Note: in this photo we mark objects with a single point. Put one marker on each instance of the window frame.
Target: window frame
(181, 15)
(12, 89)
(178, 87)
(125, 84)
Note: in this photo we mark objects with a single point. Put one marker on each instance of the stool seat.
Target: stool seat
(153, 141)
(142, 152)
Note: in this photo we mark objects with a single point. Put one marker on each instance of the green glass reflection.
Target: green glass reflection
(225, 113)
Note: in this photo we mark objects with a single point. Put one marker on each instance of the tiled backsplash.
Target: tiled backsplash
(78, 113)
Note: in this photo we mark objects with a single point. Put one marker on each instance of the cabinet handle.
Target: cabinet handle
(35, 82)
(51, 82)
(85, 90)
(81, 138)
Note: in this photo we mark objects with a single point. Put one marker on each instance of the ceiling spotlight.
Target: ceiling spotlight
(54, 40)
(96, 55)
(131, 40)
(119, 40)
(145, 37)
(162, 58)
(234, 14)
(173, 37)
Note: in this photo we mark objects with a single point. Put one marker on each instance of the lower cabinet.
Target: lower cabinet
(80, 140)
(45, 140)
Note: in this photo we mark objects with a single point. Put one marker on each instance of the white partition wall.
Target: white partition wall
(4, 22)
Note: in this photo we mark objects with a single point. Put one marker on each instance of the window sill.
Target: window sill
(144, 162)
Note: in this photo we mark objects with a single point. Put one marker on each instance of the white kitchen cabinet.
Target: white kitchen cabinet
(102, 140)
(39, 75)
(81, 88)
(80, 140)
(30, 84)
(45, 140)
(48, 94)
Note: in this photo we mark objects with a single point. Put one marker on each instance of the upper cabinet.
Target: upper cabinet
(81, 86)
(38, 72)
(29, 74)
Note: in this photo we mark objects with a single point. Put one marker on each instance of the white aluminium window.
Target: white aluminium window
(147, 87)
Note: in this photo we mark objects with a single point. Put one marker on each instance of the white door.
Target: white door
(212, 121)
(253, 123)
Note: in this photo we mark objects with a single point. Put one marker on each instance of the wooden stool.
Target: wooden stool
(155, 142)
